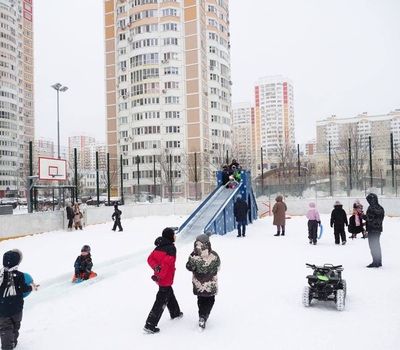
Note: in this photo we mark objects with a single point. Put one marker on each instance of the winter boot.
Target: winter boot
(278, 233)
(202, 323)
(151, 329)
(180, 315)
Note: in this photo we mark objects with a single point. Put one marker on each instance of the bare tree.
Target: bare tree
(354, 145)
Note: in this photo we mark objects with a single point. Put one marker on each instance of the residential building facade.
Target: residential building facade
(244, 150)
(17, 122)
(168, 92)
(274, 119)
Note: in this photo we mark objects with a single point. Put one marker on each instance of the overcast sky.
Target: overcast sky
(342, 56)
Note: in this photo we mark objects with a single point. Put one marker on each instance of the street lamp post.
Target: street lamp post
(58, 87)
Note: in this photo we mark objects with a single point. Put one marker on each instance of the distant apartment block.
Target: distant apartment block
(243, 138)
(17, 122)
(379, 127)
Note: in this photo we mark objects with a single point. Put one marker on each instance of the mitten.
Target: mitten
(319, 222)
(155, 278)
(157, 268)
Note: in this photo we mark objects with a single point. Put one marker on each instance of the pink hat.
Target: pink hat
(311, 205)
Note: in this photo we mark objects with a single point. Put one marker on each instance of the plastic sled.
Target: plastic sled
(79, 280)
(28, 281)
(321, 231)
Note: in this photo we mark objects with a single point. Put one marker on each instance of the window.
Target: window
(170, 26)
(172, 130)
(170, 12)
(171, 100)
(171, 41)
(172, 114)
(173, 144)
(171, 70)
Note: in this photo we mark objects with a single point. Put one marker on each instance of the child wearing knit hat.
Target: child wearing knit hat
(162, 262)
(313, 222)
(12, 288)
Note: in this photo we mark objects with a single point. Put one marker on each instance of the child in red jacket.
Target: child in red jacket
(162, 261)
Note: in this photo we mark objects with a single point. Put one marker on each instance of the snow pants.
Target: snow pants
(338, 231)
(164, 298)
(9, 330)
(205, 305)
(313, 230)
(117, 223)
(375, 247)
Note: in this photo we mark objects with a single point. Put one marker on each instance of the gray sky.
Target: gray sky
(343, 58)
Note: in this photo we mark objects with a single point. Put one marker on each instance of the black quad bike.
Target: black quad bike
(325, 284)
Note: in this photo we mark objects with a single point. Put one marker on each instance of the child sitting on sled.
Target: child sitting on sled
(83, 265)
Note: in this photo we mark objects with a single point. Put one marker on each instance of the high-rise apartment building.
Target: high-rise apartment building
(17, 123)
(85, 148)
(44, 148)
(243, 138)
(274, 119)
(168, 89)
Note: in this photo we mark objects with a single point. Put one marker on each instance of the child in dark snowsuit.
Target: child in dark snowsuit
(116, 216)
(83, 265)
(12, 288)
(338, 220)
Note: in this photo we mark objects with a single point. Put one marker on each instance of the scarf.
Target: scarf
(358, 220)
(10, 288)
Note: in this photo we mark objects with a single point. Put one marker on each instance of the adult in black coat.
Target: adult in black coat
(70, 216)
(374, 218)
(240, 210)
(338, 220)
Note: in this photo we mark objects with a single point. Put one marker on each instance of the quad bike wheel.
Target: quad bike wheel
(340, 296)
(344, 287)
(307, 296)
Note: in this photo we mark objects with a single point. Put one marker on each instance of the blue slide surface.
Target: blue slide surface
(215, 213)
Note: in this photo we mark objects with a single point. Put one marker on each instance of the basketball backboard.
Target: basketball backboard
(52, 169)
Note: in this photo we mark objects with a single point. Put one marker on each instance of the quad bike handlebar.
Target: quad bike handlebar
(325, 267)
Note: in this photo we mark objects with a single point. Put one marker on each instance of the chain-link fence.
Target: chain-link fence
(352, 165)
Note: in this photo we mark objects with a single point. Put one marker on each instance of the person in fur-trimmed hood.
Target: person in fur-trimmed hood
(12, 288)
(204, 263)
(374, 217)
(279, 211)
(162, 262)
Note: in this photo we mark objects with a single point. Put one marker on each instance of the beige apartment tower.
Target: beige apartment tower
(274, 120)
(17, 122)
(168, 89)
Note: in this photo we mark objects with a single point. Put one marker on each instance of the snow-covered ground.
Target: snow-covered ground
(259, 302)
